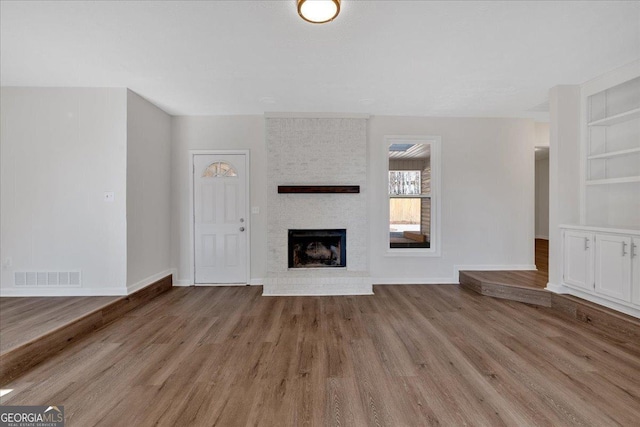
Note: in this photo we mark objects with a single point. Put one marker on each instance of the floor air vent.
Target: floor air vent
(47, 278)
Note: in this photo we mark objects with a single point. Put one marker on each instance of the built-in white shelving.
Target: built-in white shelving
(614, 153)
(601, 255)
(618, 118)
(613, 180)
(613, 135)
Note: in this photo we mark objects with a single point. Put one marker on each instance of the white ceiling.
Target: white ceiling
(378, 57)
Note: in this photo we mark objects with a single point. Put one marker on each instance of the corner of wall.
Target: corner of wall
(148, 192)
(564, 168)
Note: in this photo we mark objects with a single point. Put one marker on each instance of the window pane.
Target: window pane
(404, 182)
(405, 223)
(410, 219)
(219, 169)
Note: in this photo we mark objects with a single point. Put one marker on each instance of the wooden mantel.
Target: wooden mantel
(299, 189)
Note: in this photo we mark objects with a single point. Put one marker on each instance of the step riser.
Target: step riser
(603, 319)
(18, 360)
(529, 296)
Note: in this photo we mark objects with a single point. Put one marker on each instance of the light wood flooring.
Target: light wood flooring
(25, 318)
(542, 256)
(406, 356)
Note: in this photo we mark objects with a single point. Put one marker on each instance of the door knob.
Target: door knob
(241, 219)
(241, 228)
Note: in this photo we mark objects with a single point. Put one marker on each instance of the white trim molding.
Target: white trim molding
(213, 285)
(393, 281)
(59, 291)
(283, 115)
(435, 142)
(183, 283)
(259, 281)
(623, 308)
(557, 289)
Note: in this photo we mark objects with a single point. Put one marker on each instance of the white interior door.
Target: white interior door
(220, 226)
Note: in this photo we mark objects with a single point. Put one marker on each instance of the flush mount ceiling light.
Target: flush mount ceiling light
(318, 11)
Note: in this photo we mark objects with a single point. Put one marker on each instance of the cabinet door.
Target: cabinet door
(613, 266)
(578, 259)
(635, 270)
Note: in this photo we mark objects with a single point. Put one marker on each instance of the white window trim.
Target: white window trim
(436, 223)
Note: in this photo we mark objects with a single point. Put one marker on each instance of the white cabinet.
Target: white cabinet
(613, 266)
(635, 270)
(603, 265)
(578, 259)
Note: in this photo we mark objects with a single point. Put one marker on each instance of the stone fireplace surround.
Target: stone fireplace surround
(317, 151)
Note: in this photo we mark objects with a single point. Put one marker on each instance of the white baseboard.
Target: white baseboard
(58, 291)
(457, 268)
(183, 282)
(557, 289)
(542, 237)
(187, 282)
(201, 285)
(149, 280)
(623, 308)
(378, 281)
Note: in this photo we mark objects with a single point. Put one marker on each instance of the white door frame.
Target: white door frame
(192, 247)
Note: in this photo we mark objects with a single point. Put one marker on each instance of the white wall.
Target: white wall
(487, 197)
(542, 198)
(542, 134)
(148, 192)
(487, 192)
(61, 149)
(564, 170)
(216, 133)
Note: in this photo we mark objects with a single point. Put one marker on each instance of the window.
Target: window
(404, 183)
(411, 195)
(219, 170)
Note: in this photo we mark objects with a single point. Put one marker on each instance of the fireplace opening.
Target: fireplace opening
(317, 248)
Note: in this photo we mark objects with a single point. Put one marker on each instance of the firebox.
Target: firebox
(317, 248)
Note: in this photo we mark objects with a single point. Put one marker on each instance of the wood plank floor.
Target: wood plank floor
(38, 328)
(25, 318)
(407, 356)
(542, 255)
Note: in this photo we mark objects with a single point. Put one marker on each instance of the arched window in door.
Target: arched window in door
(219, 170)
